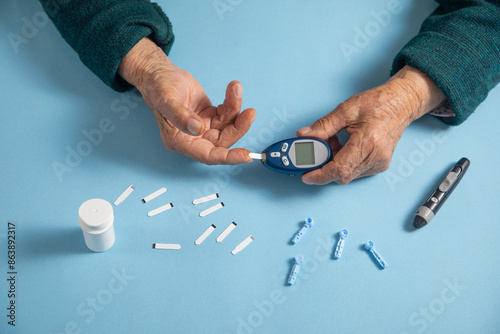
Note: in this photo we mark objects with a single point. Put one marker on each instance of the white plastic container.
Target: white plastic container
(96, 218)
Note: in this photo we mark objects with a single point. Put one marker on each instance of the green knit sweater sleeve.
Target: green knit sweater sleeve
(458, 47)
(102, 32)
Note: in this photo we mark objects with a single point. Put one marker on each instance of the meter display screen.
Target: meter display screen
(304, 154)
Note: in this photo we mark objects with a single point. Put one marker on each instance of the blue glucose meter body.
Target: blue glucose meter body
(297, 156)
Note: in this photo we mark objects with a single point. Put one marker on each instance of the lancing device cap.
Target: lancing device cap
(96, 218)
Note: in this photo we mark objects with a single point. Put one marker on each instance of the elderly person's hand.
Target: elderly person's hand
(375, 120)
(189, 123)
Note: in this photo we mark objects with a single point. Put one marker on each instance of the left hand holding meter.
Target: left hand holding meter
(295, 156)
(374, 120)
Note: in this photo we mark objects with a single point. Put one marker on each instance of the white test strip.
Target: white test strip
(166, 246)
(160, 209)
(257, 156)
(124, 195)
(205, 235)
(205, 199)
(228, 230)
(212, 209)
(154, 195)
(243, 244)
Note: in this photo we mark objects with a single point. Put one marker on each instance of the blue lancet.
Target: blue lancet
(340, 245)
(309, 222)
(295, 269)
(370, 247)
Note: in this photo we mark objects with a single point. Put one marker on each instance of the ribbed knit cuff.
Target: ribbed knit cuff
(127, 25)
(102, 32)
(452, 66)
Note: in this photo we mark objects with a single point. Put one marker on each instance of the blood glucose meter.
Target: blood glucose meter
(296, 156)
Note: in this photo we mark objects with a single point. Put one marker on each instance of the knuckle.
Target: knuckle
(210, 161)
(343, 181)
(344, 106)
(203, 160)
(166, 100)
(385, 158)
(384, 167)
(322, 123)
(376, 139)
(326, 178)
(343, 172)
(168, 144)
(348, 109)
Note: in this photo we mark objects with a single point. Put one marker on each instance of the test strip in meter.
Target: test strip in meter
(228, 230)
(243, 244)
(257, 156)
(160, 209)
(205, 234)
(212, 209)
(205, 199)
(166, 246)
(124, 195)
(154, 195)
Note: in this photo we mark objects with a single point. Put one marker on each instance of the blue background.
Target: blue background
(441, 279)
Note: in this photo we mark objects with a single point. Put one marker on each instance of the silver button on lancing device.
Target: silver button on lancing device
(295, 156)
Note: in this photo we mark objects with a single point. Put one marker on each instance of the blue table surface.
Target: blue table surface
(288, 55)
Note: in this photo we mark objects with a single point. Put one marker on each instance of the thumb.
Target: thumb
(325, 127)
(182, 118)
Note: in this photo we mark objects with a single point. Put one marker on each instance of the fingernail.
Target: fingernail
(194, 126)
(253, 117)
(305, 130)
(306, 181)
(238, 90)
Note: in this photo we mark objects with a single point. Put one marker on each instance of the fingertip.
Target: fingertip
(234, 82)
(308, 179)
(236, 87)
(231, 106)
(238, 90)
(247, 156)
(253, 115)
(238, 156)
(304, 131)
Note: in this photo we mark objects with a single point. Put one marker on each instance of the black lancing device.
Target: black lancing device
(434, 202)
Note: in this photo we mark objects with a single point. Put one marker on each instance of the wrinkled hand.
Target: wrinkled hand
(189, 123)
(375, 120)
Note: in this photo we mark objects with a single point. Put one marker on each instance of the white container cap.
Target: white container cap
(96, 218)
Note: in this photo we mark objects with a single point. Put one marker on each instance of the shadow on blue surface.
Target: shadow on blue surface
(43, 52)
(53, 242)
